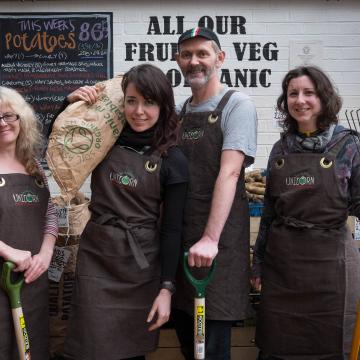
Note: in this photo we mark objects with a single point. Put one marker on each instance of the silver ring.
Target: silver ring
(212, 119)
(39, 183)
(149, 167)
(279, 163)
(325, 163)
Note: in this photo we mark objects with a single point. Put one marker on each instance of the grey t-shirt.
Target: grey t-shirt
(238, 122)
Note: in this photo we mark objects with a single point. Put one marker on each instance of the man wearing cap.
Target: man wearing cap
(218, 135)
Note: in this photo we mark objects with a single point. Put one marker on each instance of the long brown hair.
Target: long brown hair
(329, 98)
(29, 143)
(153, 84)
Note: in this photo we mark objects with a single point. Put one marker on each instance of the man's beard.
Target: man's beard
(198, 82)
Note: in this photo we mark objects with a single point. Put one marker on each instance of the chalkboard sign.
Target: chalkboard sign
(45, 56)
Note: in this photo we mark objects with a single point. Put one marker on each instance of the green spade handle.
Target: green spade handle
(198, 284)
(12, 289)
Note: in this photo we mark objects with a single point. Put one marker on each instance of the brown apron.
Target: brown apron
(311, 273)
(118, 268)
(23, 206)
(227, 296)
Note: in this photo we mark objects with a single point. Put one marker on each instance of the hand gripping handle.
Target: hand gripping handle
(12, 289)
(198, 284)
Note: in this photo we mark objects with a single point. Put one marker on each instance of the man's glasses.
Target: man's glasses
(9, 117)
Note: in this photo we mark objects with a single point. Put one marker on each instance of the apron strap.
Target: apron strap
(224, 101)
(110, 219)
(183, 110)
(338, 146)
(219, 107)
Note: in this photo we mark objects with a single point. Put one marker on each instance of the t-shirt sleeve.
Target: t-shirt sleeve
(239, 126)
(174, 169)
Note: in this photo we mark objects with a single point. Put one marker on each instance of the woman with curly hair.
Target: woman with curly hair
(305, 256)
(28, 222)
(128, 252)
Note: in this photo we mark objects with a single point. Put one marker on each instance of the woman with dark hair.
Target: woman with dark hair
(128, 252)
(305, 257)
(329, 99)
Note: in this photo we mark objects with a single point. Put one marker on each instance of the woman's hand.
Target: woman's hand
(161, 307)
(41, 261)
(39, 264)
(86, 93)
(21, 258)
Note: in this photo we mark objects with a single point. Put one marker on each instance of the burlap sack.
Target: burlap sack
(60, 294)
(76, 215)
(82, 135)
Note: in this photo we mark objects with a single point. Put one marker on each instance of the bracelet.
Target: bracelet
(168, 285)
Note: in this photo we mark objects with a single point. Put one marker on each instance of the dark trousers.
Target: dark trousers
(217, 336)
(262, 356)
(59, 357)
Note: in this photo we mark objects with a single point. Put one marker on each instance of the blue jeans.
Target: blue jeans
(217, 336)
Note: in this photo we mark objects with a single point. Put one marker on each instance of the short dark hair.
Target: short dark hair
(153, 84)
(330, 100)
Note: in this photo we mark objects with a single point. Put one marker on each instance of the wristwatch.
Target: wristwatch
(168, 285)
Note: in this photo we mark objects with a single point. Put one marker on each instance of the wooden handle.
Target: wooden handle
(199, 328)
(22, 337)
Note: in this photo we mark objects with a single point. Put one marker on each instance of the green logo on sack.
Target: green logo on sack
(193, 134)
(78, 140)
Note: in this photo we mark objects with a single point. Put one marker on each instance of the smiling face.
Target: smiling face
(199, 61)
(9, 132)
(140, 113)
(304, 105)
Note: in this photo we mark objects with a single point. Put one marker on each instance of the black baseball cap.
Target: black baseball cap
(199, 31)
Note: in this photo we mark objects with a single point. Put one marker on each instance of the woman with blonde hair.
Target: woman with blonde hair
(28, 222)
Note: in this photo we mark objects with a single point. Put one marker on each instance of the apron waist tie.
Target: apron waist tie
(296, 223)
(109, 219)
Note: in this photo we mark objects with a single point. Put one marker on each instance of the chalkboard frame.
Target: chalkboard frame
(106, 70)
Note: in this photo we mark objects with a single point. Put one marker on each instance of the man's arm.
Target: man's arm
(203, 252)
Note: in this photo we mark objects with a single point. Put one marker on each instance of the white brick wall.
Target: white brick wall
(335, 23)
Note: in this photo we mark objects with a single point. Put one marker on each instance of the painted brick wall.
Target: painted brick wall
(262, 40)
